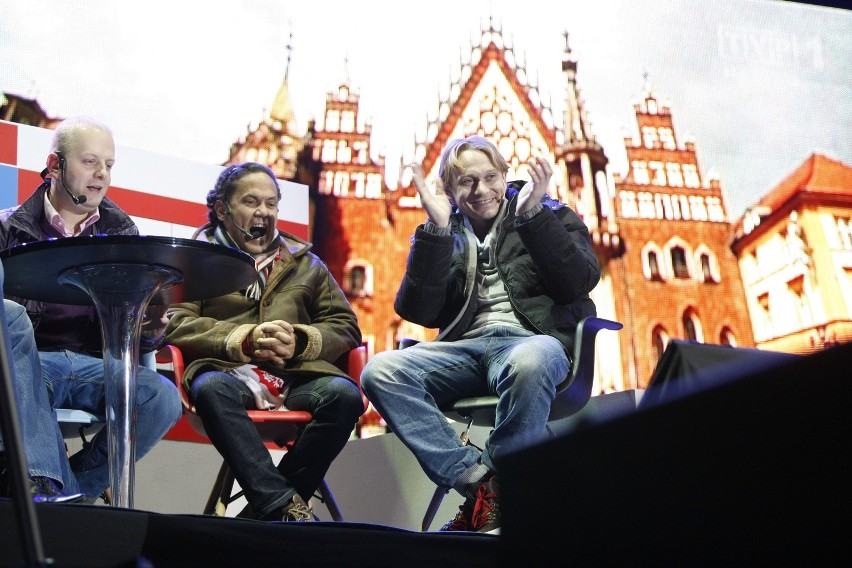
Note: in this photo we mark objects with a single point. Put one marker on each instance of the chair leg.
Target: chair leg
(220, 495)
(327, 497)
(434, 504)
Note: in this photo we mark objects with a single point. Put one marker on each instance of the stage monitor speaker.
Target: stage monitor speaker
(688, 366)
(752, 471)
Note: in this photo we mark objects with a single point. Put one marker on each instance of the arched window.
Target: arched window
(358, 279)
(707, 274)
(659, 341)
(654, 266)
(689, 326)
(844, 231)
(692, 326)
(679, 266)
(705, 267)
(727, 337)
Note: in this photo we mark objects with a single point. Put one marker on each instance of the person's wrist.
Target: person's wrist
(435, 229)
(247, 346)
(530, 213)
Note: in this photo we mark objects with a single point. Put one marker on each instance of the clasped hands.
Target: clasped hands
(272, 341)
(438, 204)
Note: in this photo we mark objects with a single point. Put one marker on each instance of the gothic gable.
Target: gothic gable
(492, 98)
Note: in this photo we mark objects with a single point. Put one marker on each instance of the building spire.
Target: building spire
(347, 79)
(647, 89)
(289, 57)
(282, 108)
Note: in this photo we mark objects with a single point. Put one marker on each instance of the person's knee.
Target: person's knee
(175, 406)
(346, 397)
(368, 380)
(17, 320)
(541, 354)
(208, 387)
(378, 373)
(14, 312)
(543, 370)
(162, 397)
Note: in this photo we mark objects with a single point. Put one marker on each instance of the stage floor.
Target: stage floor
(98, 536)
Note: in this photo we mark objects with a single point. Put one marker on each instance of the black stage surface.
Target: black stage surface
(88, 536)
(743, 465)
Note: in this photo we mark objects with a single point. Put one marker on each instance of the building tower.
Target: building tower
(678, 277)
(587, 189)
(276, 140)
(350, 230)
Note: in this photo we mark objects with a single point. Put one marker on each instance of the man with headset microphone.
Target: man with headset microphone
(72, 202)
(273, 344)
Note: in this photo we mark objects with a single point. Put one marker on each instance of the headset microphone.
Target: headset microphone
(255, 232)
(77, 199)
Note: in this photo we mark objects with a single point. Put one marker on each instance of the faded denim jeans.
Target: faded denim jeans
(409, 386)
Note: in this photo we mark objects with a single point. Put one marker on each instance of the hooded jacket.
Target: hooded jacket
(546, 263)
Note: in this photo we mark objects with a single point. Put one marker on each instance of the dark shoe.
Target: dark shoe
(89, 500)
(485, 517)
(461, 522)
(297, 511)
(248, 512)
(45, 490)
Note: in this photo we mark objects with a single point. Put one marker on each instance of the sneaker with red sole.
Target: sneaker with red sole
(480, 512)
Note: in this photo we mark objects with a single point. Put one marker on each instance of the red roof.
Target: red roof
(817, 174)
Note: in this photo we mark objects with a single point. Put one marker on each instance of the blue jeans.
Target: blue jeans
(221, 402)
(43, 445)
(76, 380)
(64, 379)
(409, 386)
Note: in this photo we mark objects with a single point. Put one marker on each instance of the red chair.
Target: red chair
(278, 429)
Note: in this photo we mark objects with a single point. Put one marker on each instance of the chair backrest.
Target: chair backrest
(353, 364)
(171, 356)
(574, 393)
(571, 395)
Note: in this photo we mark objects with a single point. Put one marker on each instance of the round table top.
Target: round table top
(208, 270)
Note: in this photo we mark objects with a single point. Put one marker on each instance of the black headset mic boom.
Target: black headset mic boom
(252, 235)
(77, 199)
